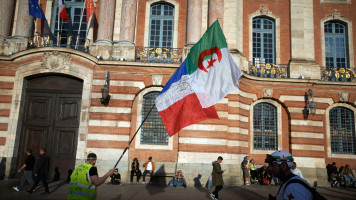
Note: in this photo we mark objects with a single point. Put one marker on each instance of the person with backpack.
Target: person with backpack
(293, 187)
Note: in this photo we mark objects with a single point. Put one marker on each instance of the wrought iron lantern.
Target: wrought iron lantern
(105, 91)
(310, 105)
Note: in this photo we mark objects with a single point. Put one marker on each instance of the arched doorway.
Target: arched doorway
(50, 119)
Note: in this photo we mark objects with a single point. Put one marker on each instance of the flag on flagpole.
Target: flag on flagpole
(206, 76)
(62, 11)
(89, 5)
(35, 10)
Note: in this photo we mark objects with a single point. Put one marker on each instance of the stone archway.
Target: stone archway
(51, 61)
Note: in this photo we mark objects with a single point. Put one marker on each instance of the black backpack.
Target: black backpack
(316, 195)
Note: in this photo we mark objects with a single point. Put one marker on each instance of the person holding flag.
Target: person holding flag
(206, 76)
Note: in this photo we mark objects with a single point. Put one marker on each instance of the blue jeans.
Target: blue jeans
(351, 178)
(177, 182)
(144, 175)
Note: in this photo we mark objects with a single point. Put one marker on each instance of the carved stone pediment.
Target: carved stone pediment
(55, 61)
(337, 15)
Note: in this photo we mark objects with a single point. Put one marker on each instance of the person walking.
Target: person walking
(217, 177)
(85, 179)
(41, 172)
(28, 167)
(149, 169)
(293, 187)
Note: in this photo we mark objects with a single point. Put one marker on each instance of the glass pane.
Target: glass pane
(335, 45)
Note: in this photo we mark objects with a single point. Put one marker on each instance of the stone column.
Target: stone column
(103, 45)
(125, 49)
(106, 21)
(302, 64)
(194, 21)
(24, 22)
(216, 11)
(7, 7)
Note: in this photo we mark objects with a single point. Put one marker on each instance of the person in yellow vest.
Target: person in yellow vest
(85, 179)
(253, 172)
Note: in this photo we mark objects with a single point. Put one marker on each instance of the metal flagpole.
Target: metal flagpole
(133, 137)
(80, 24)
(58, 27)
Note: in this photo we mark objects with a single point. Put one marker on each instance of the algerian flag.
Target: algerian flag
(206, 76)
(213, 73)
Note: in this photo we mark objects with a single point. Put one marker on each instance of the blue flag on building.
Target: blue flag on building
(35, 10)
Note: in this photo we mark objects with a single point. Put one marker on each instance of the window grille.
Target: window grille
(263, 40)
(265, 127)
(342, 130)
(74, 10)
(153, 131)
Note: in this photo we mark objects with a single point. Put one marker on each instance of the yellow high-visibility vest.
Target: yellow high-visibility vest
(253, 166)
(79, 187)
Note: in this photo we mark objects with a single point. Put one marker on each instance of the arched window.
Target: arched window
(153, 131)
(263, 49)
(335, 45)
(342, 130)
(265, 128)
(74, 10)
(161, 26)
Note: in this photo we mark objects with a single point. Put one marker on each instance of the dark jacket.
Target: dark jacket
(30, 163)
(217, 174)
(42, 165)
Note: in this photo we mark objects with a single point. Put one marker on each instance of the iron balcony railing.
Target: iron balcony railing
(268, 70)
(66, 41)
(159, 55)
(338, 74)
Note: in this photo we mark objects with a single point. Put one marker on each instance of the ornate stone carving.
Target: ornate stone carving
(337, 15)
(157, 79)
(4, 47)
(343, 96)
(264, 10)
(55, 61)
(268, 92)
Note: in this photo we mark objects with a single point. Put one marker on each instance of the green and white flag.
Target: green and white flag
(213, 73)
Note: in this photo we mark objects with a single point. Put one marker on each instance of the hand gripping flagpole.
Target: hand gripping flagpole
(134, 136)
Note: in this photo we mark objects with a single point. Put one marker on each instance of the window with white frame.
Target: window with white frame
(336, 55)
(161, 25)
(263, 37)
(153, 131)
(70, 29)
(265, 129)
(342, 130)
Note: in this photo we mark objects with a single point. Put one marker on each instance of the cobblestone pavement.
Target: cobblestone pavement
(158, 192)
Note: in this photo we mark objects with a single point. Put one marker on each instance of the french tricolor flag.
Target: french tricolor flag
(62, 11)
